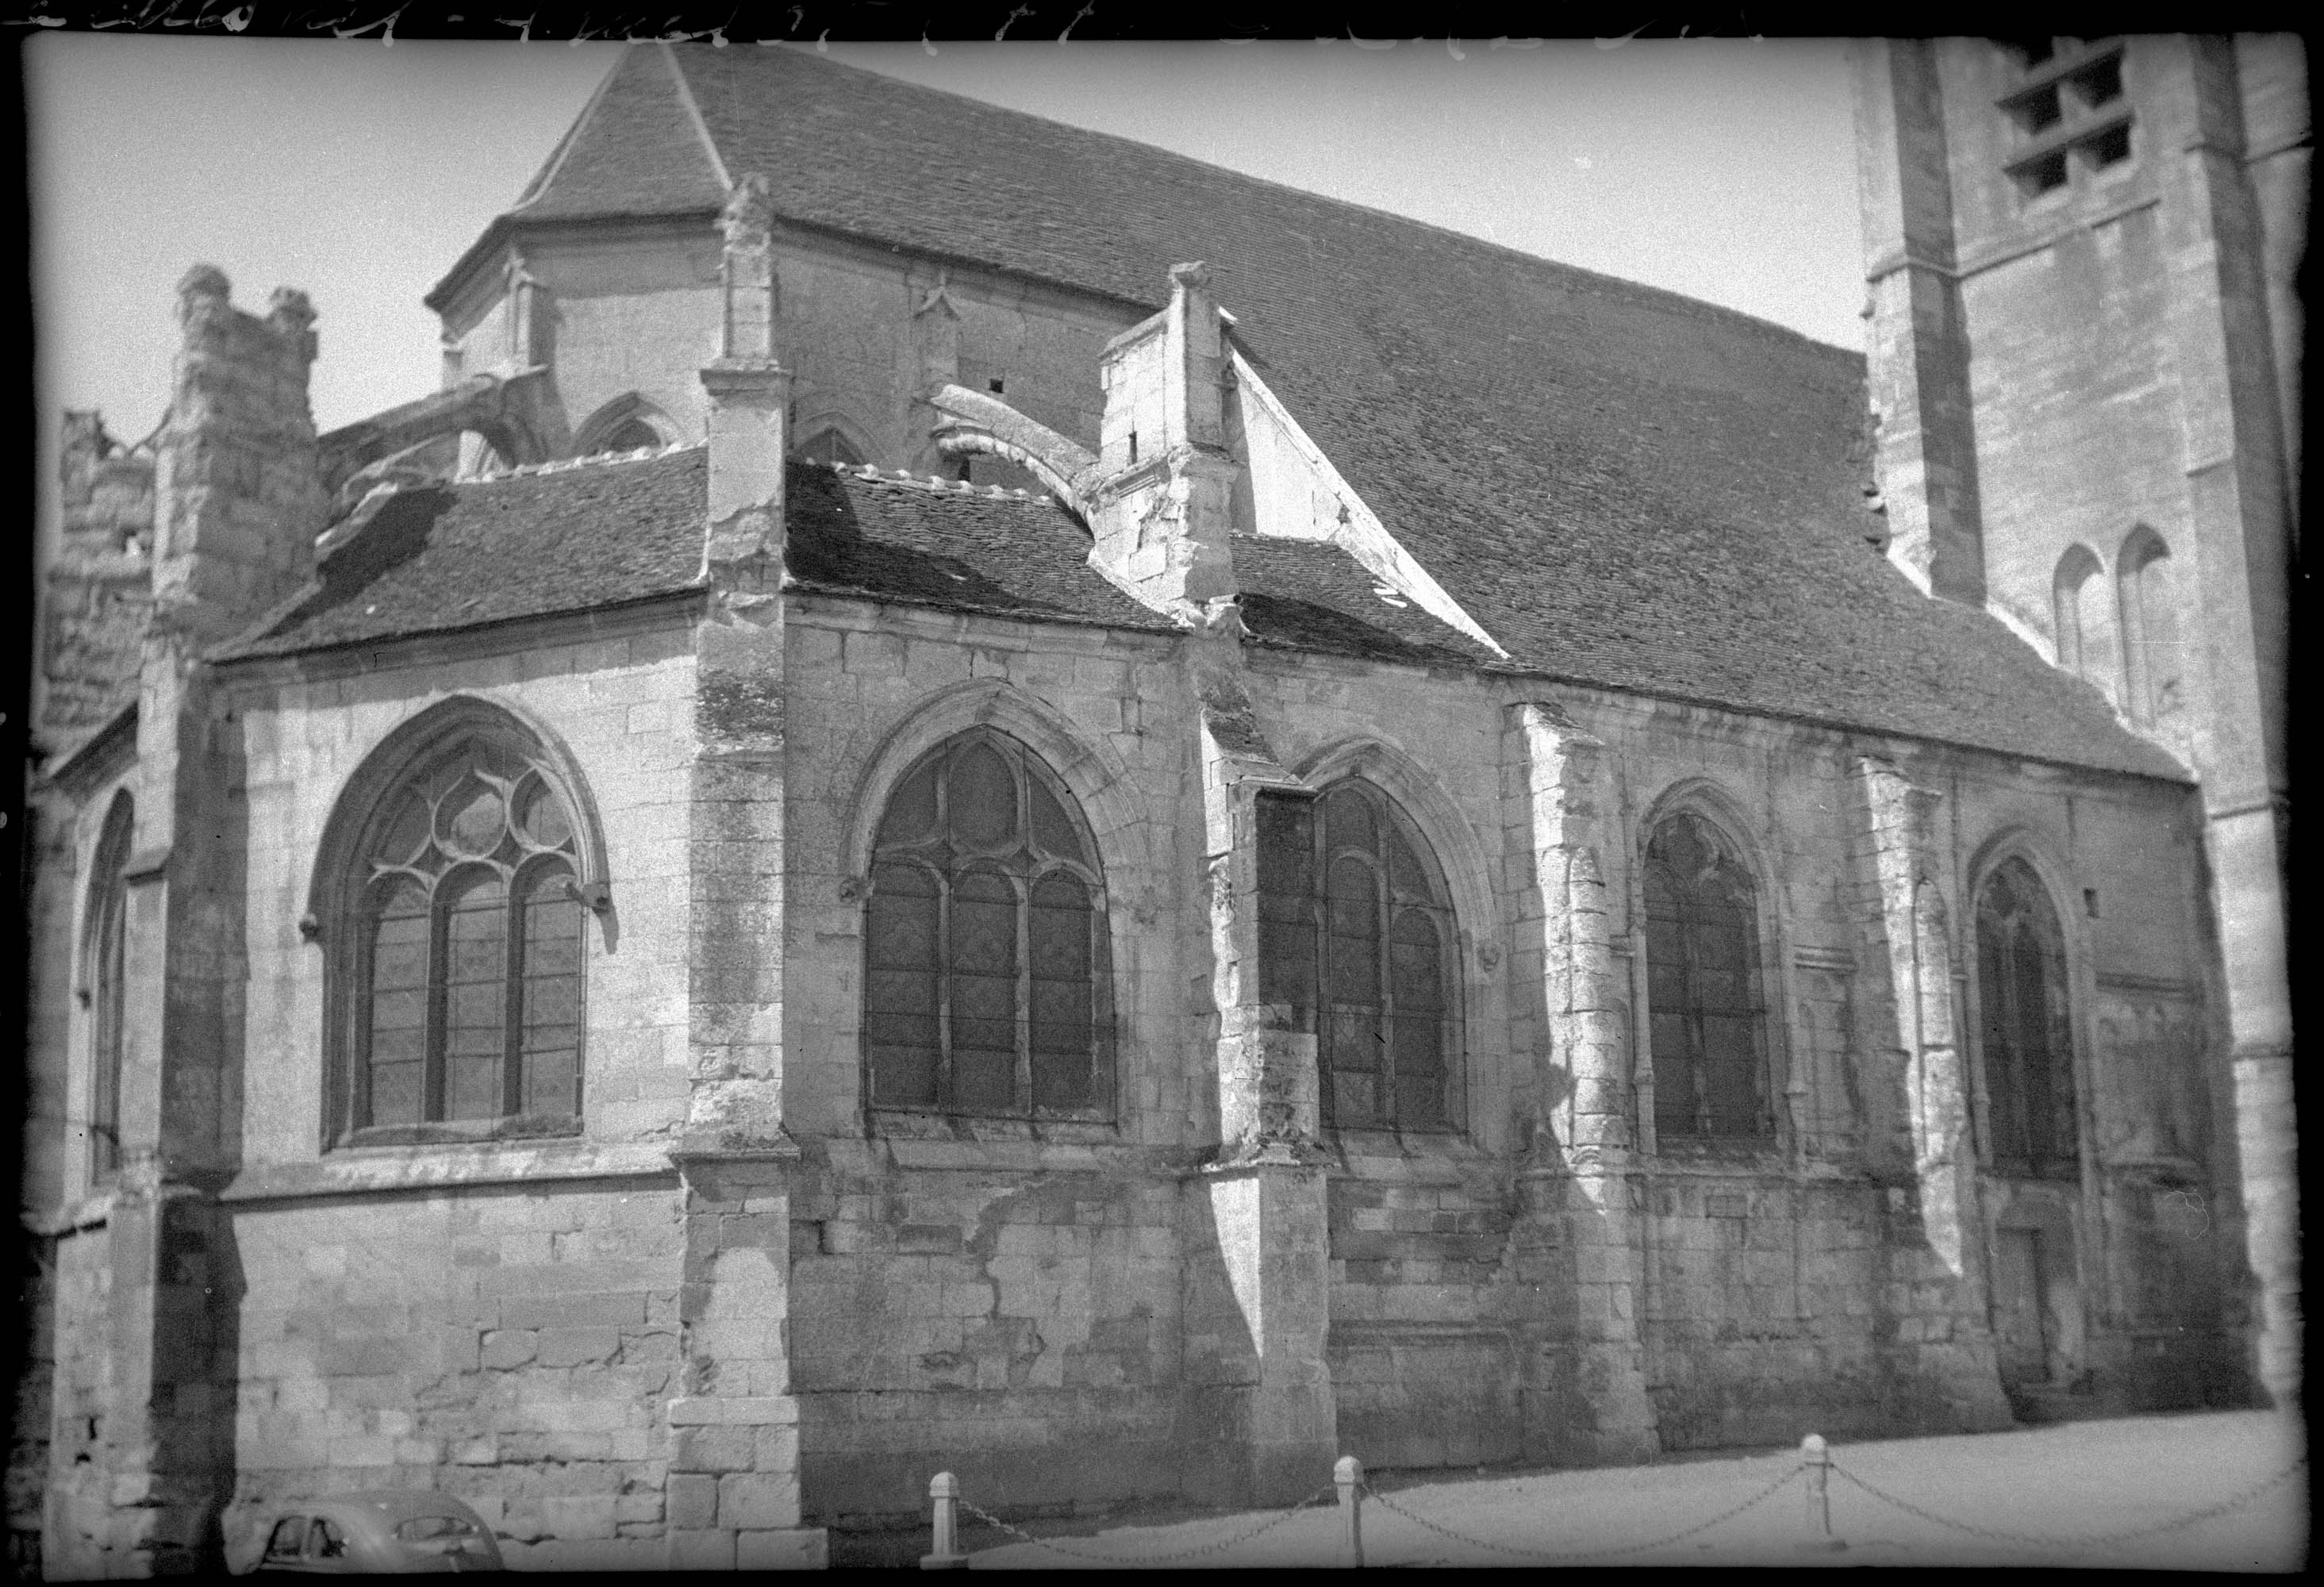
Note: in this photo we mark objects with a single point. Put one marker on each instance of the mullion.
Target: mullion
(439, 993)
(1383, 957)
(1022, 1101)
(513, 1004)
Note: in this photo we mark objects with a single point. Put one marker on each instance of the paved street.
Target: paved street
(2049, 1484)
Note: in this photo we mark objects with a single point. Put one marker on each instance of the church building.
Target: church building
(976, 798)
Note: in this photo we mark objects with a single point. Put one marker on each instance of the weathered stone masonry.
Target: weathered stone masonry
(731, 1304)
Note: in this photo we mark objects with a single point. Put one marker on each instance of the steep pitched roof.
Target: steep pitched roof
(1625, 486)
(461, 556)
(855, 532)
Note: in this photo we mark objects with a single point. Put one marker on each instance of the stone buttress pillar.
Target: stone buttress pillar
(2239, 509)
(1926, 449)
(1948, 1347)
(237, 504)
(1585, 1398)
(733, 1499)
(1265, 1425)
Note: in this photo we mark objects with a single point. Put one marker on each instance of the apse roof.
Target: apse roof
(1624, 486)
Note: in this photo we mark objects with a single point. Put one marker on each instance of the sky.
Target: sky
(358, 170)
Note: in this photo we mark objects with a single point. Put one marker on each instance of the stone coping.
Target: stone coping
(363, 1170)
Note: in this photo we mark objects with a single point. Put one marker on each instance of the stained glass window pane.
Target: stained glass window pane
(1060, 934)
(901, 993)
(476, 998)
(982, 794)
(550, 1057)
(983, 964)
(541, 815)
(399, 1006)
(1702, 984)
(1052, 829)
(911, 814)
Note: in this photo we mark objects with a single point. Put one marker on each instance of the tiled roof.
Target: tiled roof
(1312, 595)
(1625, 486)
(856, 532)
(460, 555)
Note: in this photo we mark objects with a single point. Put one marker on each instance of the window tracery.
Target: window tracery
(2028, 1047)
(986, 962)
(463, 950)
(1709, 1018)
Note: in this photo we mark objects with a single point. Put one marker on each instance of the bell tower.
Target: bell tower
(2084, 359)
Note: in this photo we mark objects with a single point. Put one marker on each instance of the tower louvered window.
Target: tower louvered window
(1709, 1029)
(2029, 1068)
(468, 952)
(986, 965)
(2068, 110)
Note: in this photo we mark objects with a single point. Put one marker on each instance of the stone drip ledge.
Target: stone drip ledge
(373, 1170)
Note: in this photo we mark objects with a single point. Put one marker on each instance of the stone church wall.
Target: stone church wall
(864, 333)
(966, 1295)
(506, 1317)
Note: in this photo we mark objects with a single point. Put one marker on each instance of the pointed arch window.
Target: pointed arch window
(1357, 939)
(1703, 986)
(828, 446)
(105, 958)
(2152, 664)
(987, 984)
(2084, 618)
(2028, 1047)
(461, 949)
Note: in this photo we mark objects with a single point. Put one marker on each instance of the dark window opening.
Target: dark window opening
(468, 954)
(2110, 147)
(1358, 944)
(2029, 1073)
(2037, 177)
(997, 385)
(830, 446)
(1708, 1019)
(2100, 83)
(1133, 446)
(2039, 110)
(630, 435)
(961, 472)
(108, 932)
(987, 986)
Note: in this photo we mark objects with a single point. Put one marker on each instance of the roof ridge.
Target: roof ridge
(550, 167)
(1469, 239)
(904, 479)
(588, 460)
(694, 115)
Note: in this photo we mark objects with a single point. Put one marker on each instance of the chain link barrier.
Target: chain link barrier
(1554, 1556)
(1174, 1557)
(2085, 1539)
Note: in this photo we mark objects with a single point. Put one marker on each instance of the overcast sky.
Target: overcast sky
(358, 170)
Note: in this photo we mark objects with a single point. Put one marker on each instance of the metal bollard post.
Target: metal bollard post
(1817, 1455)
(1349, 1473)
(944, 1488)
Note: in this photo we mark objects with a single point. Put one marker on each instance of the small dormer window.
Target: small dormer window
(2068, 110)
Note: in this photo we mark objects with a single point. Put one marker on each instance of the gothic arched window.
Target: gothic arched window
(2150, 628)
(987, 972)
(461, 947)
(2084, 618)
(2029, 1062)
(1708, 1025)
(1357, 937)
(105, 938)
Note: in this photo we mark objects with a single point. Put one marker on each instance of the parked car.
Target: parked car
(366, 1534)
